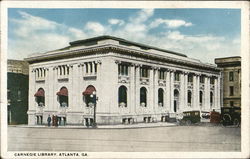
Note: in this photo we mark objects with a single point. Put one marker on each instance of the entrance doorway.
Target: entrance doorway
(39, 119)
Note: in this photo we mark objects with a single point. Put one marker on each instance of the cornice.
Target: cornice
(102, 49)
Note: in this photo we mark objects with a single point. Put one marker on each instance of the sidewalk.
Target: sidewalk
(122, 126)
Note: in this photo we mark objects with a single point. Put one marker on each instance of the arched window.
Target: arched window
(63, 97)
(160, 97)
(176, 99)
(90, 95)
(122, 96)
(189, 97)
(40, 97)
(201, 97)
(211, 98)
(143, 96)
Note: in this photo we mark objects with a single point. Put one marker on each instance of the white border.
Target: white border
(243, 5)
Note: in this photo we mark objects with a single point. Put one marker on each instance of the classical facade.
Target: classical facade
(133, 83)
(17, 91)
(231, 75)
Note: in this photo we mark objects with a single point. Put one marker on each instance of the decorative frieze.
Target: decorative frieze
(123, 79)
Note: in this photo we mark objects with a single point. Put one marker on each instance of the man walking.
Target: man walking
(49, 120)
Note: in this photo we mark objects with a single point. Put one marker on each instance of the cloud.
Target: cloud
(30, 37)
(174, 23)
(116, 22)
(33, 34)
(175, 35)
(95, 27)
(142, 15)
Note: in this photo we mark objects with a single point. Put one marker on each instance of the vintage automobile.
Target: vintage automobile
(190, 117)
(231, 116)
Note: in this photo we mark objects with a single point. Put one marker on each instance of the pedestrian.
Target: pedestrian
(56, 120)
(49, 120)
(53, 120)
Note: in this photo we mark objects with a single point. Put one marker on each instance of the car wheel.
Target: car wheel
(236, 122)
(188, 122)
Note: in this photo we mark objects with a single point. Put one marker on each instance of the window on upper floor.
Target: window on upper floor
(231, 76)
(190, 78)
(161, 74)
(212, 81)
(144, 72)
(202, 79)
(231, 90)
(123, 69)
(63, 70)
(177, 76)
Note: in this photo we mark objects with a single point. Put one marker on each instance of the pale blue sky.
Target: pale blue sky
(199, 33)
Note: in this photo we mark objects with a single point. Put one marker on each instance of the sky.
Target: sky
(202, 34)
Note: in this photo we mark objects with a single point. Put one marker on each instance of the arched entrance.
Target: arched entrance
(89, 96)
(176, 100)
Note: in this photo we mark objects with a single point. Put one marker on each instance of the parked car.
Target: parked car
(231, 116)
(215, 117)
(190, 117)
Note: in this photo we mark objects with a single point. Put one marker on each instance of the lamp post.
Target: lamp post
(94, 99)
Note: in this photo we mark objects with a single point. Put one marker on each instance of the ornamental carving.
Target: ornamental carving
(123, 79)
(212, 87)
(177, 86)
(202, 86)
(144, 81)
(162, 82)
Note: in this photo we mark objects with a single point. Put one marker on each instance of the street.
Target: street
(175, 138)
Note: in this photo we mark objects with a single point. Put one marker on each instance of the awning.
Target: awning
(62, 92)
(89, 90)
(39, 93)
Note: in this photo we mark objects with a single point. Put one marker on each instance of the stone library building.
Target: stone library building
(131, 82)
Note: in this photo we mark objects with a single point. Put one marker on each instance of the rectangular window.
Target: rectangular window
(231, 76)
(190, 78)
(177, 76)
(231, 89)
(161, 74)
(212, 81)
(123, 69)
(144, 72)
(231, 103)
(202, 79)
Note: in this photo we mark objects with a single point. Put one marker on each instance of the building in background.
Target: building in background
(133, 82)
(17, 91)
(231, 76)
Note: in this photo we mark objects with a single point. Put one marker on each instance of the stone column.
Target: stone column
(185, 90)
(55, 90)
(74, 94)
(182, 92)
(132, 92)
(219, 92)
(194, 93)
(150, 95)
(207, 93)
(172, 91)
(47, 86)
(198, 92)
(168, 92)
(137, 88)
(155, 106)
(215, 93)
